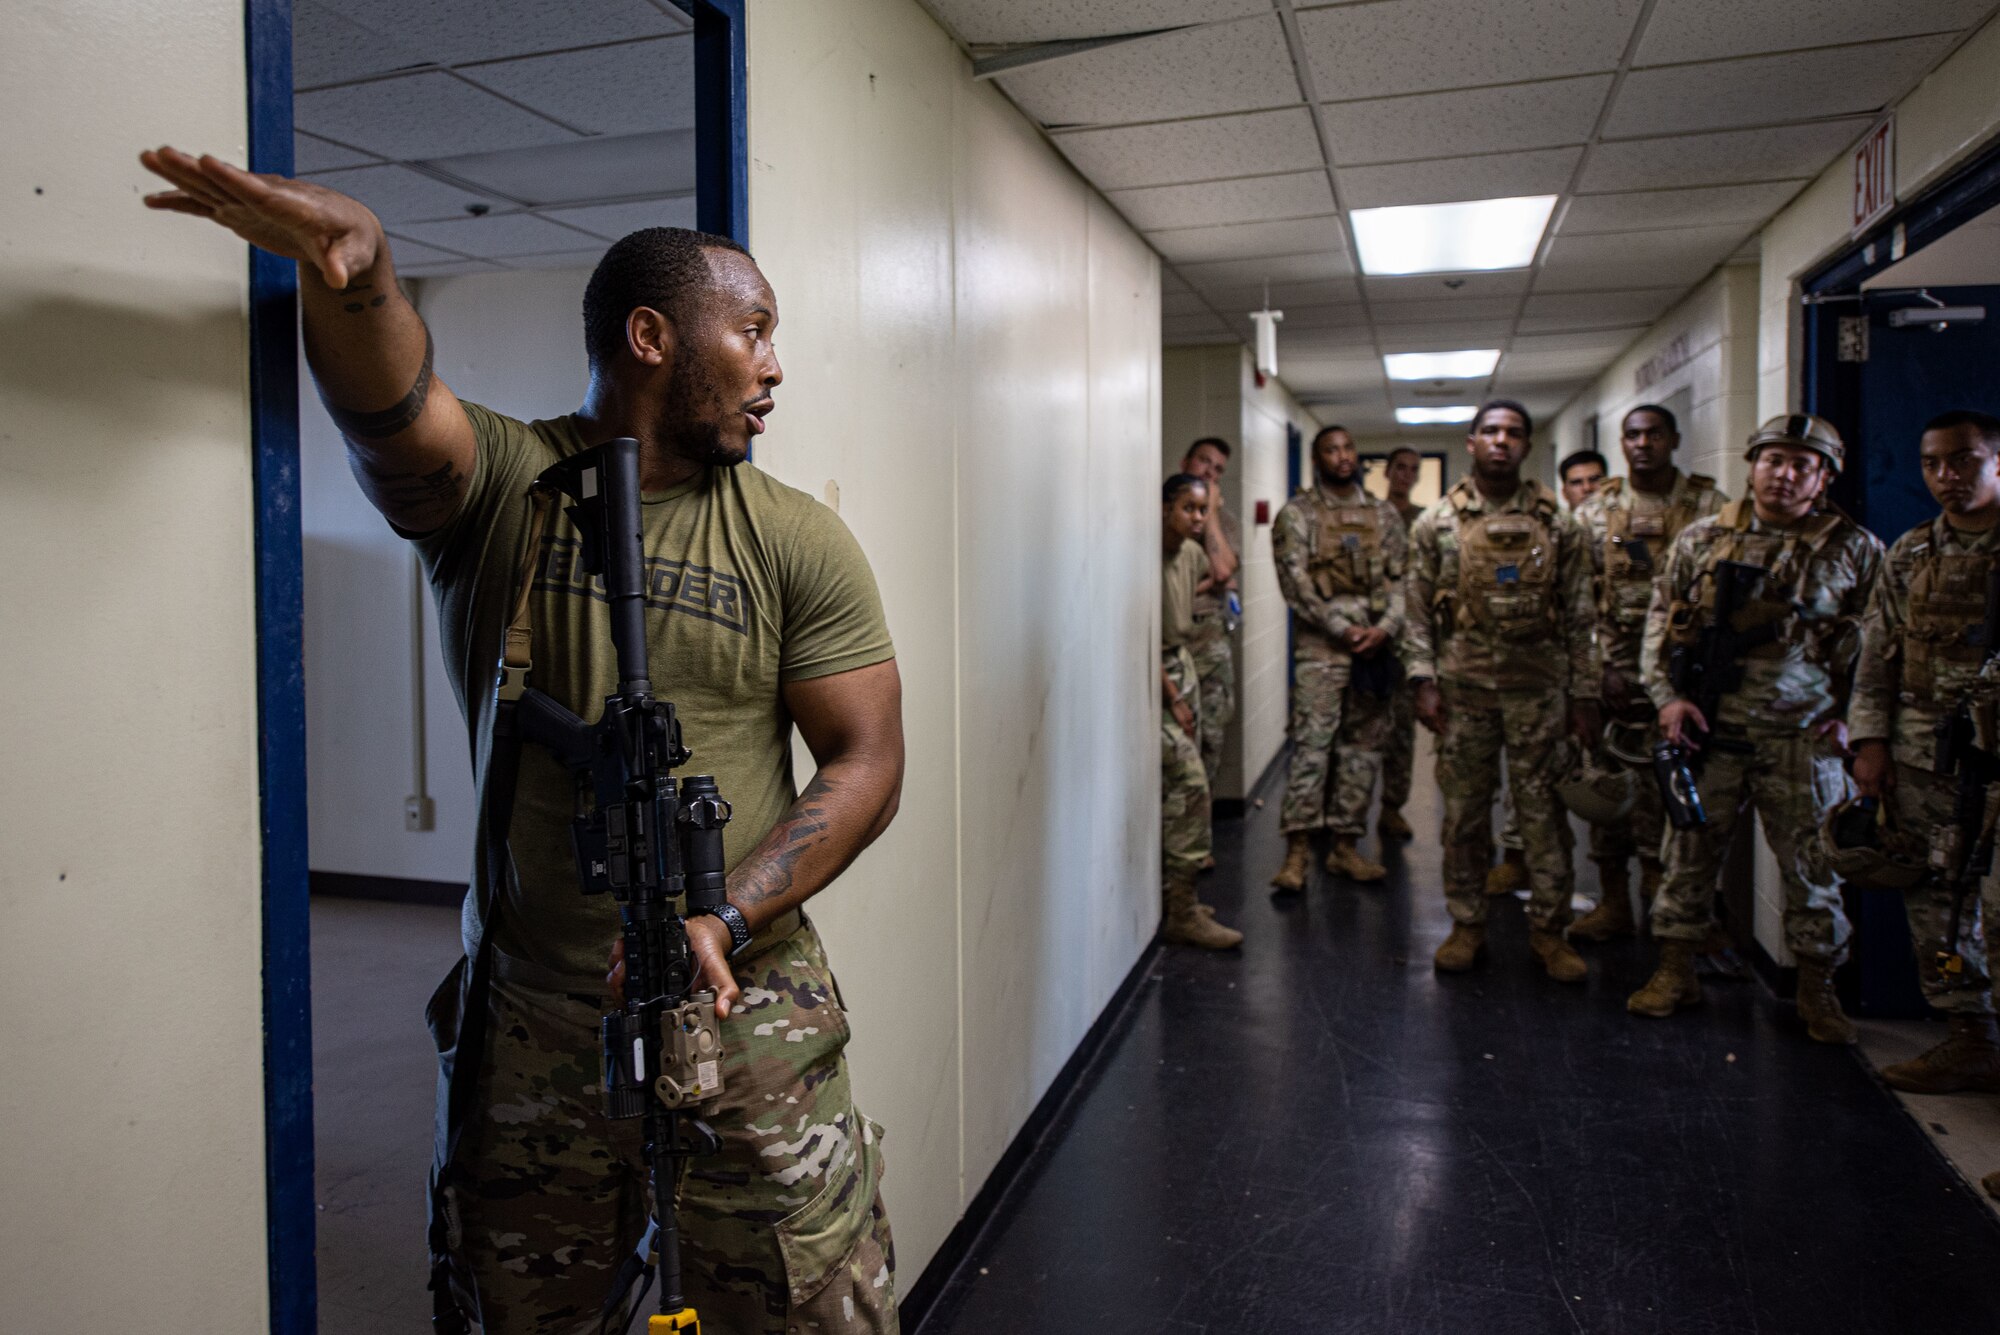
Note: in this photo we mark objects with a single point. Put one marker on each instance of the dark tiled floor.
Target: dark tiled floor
(1322, 1135)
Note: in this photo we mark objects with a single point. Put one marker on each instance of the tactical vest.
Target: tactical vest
(1507, 566)
(1344, 549)
(1784, 557)
(1635, 548)
(1947, 609)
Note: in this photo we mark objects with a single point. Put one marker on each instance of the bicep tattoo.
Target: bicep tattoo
(395, 419)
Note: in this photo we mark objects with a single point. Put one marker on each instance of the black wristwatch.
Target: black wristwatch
(739, 930)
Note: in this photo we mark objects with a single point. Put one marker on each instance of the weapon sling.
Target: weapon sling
(639, 835)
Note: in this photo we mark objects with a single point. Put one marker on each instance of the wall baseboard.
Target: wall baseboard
(394, 889)
(916, 1305)
(1235, 808)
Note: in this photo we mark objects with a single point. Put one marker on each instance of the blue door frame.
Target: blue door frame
(722, 205)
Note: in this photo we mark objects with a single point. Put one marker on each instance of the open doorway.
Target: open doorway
(504, 145)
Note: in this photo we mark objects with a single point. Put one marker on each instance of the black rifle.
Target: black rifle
(1703, 672)
(647, 841)
(1962, 853)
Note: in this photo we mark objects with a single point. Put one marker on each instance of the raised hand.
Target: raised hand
(333, 233)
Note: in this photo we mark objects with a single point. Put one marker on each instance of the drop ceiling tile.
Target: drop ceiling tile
(1770, 90)
(310, 154)
(1375, 50)
(409, 253)
(612, 221)
(1002, 22)
(1248, 144)
(1277, 270)
(455, 32)
(497, 236)
(1209, 203)
(450, 269)
(1301, 320)
(1446, 287)
(422, 116)
(1433, 312)
(1329, 375)
(1685, 30)
(329, 48)
(1466, 121)
(1731, 157)
(1556, 312)
(1449, 180)
(1241, 66)
(399, 195)
(1183, 303)
(1648, 210)
(1195, 329)
(593, 90)
(1603, 343)
(1294, 236)
(585, 171)
(557, 259)
(1605, 262)
(1442, 337)
(1172, 282)
(1519, 366)
(1241, 297)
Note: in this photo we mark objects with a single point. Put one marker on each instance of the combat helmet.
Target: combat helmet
(1804, 431)
(1861, 841)
(1629, 742)
(1601, 796)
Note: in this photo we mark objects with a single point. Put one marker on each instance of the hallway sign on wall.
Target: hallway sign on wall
(1874, 162)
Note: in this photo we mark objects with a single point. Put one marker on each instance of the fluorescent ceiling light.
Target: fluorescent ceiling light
(1434, 416)
(1473, 364)
(1452, 238)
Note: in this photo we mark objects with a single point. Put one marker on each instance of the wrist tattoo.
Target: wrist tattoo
(395, 419)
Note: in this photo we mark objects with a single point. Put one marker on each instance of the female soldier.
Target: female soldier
(1184, 837)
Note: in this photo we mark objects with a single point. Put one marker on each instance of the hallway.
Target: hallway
(1322, 1135)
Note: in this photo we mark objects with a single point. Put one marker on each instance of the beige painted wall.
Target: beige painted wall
(971, 343)
(133, 1192)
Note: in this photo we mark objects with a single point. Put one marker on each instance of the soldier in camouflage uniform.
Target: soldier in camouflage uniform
(1213, 647)
(1632, 522)
(1779, 738)
(1399, 756)
(1339, 553)
(1185, 835)
(1920, 655)
(1499, 646)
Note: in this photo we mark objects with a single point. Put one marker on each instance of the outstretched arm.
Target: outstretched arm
(408, 439)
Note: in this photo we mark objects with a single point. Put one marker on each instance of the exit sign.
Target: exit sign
(1875, 175)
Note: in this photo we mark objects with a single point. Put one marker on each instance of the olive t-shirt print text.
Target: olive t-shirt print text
(751, 584)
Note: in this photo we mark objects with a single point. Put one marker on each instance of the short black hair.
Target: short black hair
(1216, 441)
(1512, 406)
(1326, 431)
(664, 268)
(1581, 457)
(1985, 425)
(1664, 414)
(1177, 484)
(1402, 450)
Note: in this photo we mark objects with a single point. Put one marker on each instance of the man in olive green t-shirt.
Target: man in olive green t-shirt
(762, 615)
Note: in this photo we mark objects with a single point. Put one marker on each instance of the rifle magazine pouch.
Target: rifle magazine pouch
(1507, 575)
(1343, 551)
(1947, 610)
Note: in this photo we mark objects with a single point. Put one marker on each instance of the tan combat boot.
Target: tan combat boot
(1968, 1059)
(1672, 986)
(1510, 875)
(1391, 825)
(1187, 925)
(1613, 914)
(1460, 949)
(1346, 860)
(1298, 859)
(1824, 1020)
(1558, 956)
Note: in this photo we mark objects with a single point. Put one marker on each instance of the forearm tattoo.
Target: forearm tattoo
(769, 873)
(393, 420)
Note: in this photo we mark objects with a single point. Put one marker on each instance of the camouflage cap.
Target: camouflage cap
(1804, 431)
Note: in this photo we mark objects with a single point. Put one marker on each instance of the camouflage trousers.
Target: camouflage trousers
(1215, 664)
(1923, 801)
(1791, 779)
(1399, 754)
(1530, 728)
(1337, 737)
(1640, 834)
(1185, 839)
(782, 1233)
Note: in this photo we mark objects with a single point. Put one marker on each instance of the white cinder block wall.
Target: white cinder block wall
(133, 1191)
